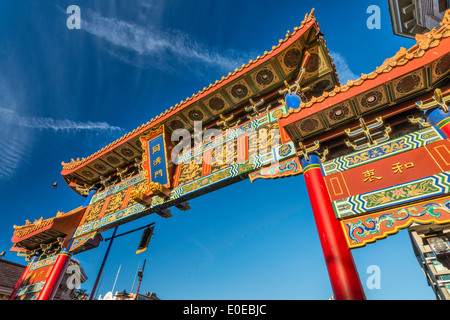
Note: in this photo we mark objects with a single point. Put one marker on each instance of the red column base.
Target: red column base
(59, 268)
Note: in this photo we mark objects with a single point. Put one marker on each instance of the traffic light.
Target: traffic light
(145, 239)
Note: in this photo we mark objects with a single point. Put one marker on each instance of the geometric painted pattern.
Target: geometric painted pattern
(395, 146)
(435, 185)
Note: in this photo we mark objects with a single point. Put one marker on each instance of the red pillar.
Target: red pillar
(19, 283)
(56, 275)
(342, 271)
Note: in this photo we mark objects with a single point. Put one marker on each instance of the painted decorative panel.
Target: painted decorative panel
(396, 169)
(410, 168)
(117, 188)
(239, 91)
(362, 230)
(372, 99)
(436, 185)
(291, 58)
(156, 161)
(35, 279)
(290, 167)
(392, 147)
(441, 68)
(339, 113)
(265, 76)
(404, 86)
(216, 103)
(190, 181)
(317, 63)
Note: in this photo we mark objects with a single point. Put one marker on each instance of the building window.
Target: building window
(439, 266)
(447, 286)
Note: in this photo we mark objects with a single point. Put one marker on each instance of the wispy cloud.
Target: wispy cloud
(13, 153)
(16, 144)
(12, 117)
(157, 48)
(343, 69)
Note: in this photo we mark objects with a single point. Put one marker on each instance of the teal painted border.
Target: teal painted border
(32, 288)
(396, 146)
(359, 204)
(42, 263)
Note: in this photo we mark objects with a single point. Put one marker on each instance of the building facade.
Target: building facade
(411, 17)
(432, 249)
(124, 295)
(11, 272)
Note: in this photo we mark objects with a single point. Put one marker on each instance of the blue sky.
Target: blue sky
(67, 93)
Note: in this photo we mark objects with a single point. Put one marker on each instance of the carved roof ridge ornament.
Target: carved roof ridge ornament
(76, 163)
(21, 231)
(29, 224)
(446, 19)
(368, 134)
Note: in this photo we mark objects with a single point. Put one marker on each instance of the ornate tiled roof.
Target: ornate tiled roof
(28, 227)
(308, 21)
(424, 43)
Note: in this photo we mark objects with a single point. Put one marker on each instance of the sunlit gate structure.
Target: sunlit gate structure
(374, 154)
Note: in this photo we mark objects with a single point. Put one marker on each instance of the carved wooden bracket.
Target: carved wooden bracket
(160, 190)
(184, 206)
(141, 197)
(164, 213)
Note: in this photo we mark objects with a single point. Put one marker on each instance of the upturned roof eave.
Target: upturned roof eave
(347, 91)
(219, 84)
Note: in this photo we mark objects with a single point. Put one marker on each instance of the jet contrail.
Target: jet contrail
(15, 148)
(12, 117)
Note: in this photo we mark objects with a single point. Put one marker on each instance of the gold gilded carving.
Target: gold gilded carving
(226, 122)
(254, 108)
(303, 152)
(370, 176)
(438, 101)
(158, 189)
(398, 167)
(139, 195)
(368, 135)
